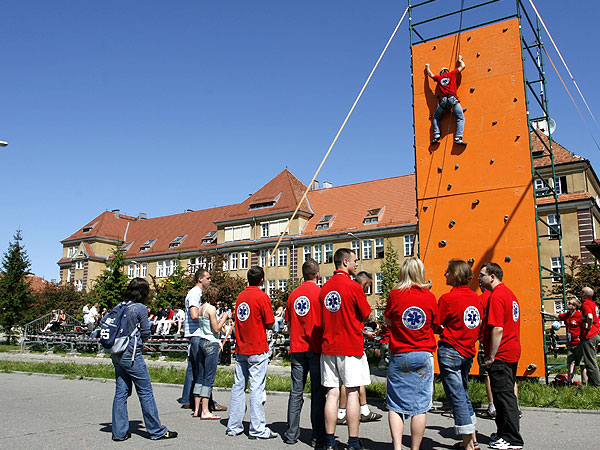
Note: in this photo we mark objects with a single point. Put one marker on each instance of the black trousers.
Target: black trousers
(502, 380)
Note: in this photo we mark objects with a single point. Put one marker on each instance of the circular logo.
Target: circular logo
(471, 317)
(243, 312)
(515, 311)
(302, 306)
(413, 318)
(445, 81)
(333, 301)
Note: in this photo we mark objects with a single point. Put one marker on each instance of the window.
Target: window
(244, 260)
(126, 246)
(553, 226)
(282, 259)
(263, 258)
(165, 268)
(327, 279)
(324, 222)
(79, 285)
(560, 185)
(409, 244)
(69, 275)
(262, 205)
(237, 233)
(138, 270)
(318, 253)
(367, 246)
(281, 285)
(147, 245)
(355, 247)
(130, 270)
(378, 282)
(556, 267)
(175, 243)
(225, 263)
(307, 253)
(271, 258)
(209, 238)
(320, 282)
(196, 263)
(233, 260)
(264, 229)
(79, 265)
(372, 216)
(328, 253)
(71, 251)
(273, 228)
(271, 287)
(539, 185)
(379, 248)
(144, 270)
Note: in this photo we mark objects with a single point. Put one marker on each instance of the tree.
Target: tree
(15, 297)
(282, 295)
(229, 287)
(390, 268)
(577, 276)
(171, 291)
(52, 296)
(110, 284)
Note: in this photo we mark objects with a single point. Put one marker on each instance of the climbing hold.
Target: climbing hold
(506, 218)
(430, 116)
(475, 202)
(507, 259)
(472, 89)
(452, 223)
(442, 243)
(449, 186)
(518, 137)
(515, 99)
(425, 207)
(468, 38)
(455, 166)
(505, 30)
(494, 122)
(471, 260)
(439, 169)
(478, 54)
(434, 47)
(492, 161)
(489, 69)
(465, 110)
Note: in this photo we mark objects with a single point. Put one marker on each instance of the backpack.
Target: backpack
(115, 331)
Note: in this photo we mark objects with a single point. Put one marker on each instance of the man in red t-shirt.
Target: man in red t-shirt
(502, 348)
(253, 314)
(590, 336)
(447, 82)
(345, 308)
(303, 315)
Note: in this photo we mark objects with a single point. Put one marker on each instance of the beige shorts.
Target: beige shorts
(351, 371)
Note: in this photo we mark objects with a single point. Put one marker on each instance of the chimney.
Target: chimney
(116, 212)
(142, 216)
(327, 184)
(315, 186)
(189, 210)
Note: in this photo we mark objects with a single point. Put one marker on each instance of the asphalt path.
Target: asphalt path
(51, 412)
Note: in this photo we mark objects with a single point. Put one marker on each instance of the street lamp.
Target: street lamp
(358, 256)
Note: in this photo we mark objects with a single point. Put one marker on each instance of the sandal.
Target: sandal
(211, 417)
(460, 445)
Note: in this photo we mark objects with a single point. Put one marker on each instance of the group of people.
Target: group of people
(164, 319)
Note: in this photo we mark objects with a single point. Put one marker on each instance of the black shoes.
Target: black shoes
(168, 435)
(459, 141)
(119, 439)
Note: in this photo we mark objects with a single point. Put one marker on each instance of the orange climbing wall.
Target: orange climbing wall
(485, 188)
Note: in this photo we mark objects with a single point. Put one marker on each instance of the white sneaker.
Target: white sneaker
(501, 444)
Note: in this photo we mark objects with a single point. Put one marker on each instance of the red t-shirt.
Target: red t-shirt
(573, 322)
(344, 307)
(589, 307)
(385, 335)
(412, 315)
(253, 312)
(504, 311)
(461, 315)
(484, 298)
(170, 314)
(303, 314)
(447, 82)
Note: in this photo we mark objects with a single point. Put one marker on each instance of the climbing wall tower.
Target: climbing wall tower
(477, 203)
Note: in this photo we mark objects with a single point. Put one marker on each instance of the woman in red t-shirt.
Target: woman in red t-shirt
(411, 315)
(461, 314)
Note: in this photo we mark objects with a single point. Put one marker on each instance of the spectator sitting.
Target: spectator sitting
(160, 315)
(178, 318)
(164, 325)
(54, 322)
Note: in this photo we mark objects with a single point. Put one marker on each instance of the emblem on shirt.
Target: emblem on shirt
(471, 317)
(302, 306)
(243, 312)
(445, 81)
(413, 318)
(515, 311)
(333, 301)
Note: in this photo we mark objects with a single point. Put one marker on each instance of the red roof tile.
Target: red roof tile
(565, 198)
(561, 154)
(106, 225)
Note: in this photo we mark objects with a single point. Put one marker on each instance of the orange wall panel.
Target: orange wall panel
(485, 187)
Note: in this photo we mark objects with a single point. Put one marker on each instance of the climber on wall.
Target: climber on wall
(446, 80)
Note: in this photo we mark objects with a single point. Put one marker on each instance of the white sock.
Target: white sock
(341, 413)
(364, 410)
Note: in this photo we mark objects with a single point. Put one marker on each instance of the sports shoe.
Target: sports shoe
(119, 439)
(219, 407)
(272, 435)
(232, 433)
(343, 421)
(168, 435)
(501, 444)
(435, 140)
(459, 141)
(371, 417)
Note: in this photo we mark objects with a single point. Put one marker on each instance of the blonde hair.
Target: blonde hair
(412, 273)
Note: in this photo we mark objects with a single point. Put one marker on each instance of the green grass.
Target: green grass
(9, 348)
(531, 393)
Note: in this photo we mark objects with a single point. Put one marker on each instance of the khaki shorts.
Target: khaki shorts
(351, 371)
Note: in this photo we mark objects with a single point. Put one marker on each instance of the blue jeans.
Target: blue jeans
(126, 376)
(302, 364)
(443, 105)
(454, 372)
(207, 359)
(251, 368)
(187, 383)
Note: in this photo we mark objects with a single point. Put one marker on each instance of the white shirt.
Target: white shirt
(91, 317)
(193, 298)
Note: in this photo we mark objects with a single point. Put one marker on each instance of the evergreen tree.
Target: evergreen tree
(390, 268)
(111, 283)
(15, 297)
(577, 276)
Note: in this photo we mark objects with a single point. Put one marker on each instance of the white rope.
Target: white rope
(564, 62)
(336, 137)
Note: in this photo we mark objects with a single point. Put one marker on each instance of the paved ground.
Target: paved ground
(50, 412)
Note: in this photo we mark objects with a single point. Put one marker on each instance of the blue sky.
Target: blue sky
(160, 106)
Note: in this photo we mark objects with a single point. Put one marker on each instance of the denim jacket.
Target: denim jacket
(138, 318)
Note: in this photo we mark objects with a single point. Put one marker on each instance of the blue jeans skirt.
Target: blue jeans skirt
(410, 383)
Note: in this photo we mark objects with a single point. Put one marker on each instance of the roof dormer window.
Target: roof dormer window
(372, 216)
(88, 228)
(325, 222)
(126, 246)
(209, 238)
(264, 203)
(147, 245)
(175, 243)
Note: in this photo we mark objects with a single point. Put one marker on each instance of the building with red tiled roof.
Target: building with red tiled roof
(363, 216)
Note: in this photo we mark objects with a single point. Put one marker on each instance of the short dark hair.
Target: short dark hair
(362, 276)
(494, 269)
(310, 269)
(137, 291)
(460, 271)
(255, 275)
(340, 255)
(199, 274)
